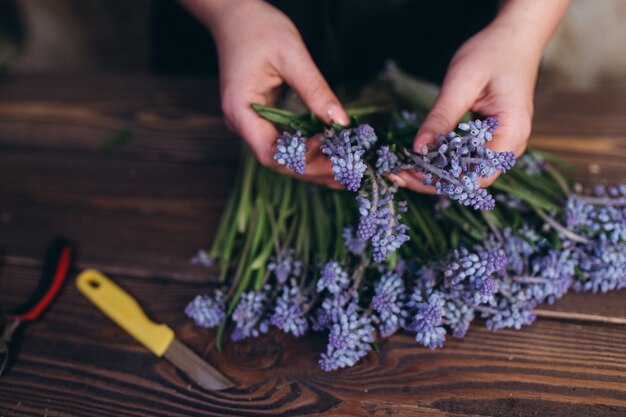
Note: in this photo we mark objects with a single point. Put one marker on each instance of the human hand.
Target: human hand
(259, 49)
(493, 74)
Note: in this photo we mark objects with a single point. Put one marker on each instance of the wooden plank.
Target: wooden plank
(143, 208)
(147, 216)
(76, 362)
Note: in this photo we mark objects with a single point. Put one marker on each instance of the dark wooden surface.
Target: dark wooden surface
(140, 211)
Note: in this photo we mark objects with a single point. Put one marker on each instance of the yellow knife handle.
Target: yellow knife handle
(120, 307)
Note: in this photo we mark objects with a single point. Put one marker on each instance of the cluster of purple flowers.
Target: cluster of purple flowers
(502, 279)
(349, 340)
(290, 311)
(346, 150)
(291, 151)
(250, 315)
(379, 221)
(387, 162)
(284, 265)
(333, 278)
(456, 162)
(601, 220)
(207, 311)
(388, 303)
(354, 245)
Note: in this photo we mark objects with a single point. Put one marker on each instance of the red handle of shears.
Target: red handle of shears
(61, 266)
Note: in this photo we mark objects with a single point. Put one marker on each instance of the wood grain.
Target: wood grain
(144, 208)
(139, 211)
(76, 362)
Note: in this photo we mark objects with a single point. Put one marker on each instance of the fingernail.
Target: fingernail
(400, 182)
(337, 116)
(420, 143)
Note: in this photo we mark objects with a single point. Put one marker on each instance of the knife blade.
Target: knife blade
(124, 310)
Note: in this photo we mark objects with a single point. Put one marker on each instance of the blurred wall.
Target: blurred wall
(79, 35)
(588, 50)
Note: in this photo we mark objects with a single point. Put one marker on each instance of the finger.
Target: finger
(317, 162)
(412, 183)
(301, 73)
(259, 134)
(456, 97)
(486, 182)
(514, 127)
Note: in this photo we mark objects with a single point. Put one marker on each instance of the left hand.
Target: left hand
(494, 74)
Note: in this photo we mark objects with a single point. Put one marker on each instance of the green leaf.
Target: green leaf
(259, 280)
(245, 201)
(261, 260)
(285, 118)
(416, 216)
(219, 335)
(525, 195)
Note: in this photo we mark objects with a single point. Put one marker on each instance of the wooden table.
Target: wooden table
(139, 211)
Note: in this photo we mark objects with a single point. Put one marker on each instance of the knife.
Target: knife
(120, 307)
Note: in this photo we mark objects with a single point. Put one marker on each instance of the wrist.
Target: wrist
(532, 22)
(212, 12)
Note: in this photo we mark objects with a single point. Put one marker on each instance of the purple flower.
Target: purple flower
(388, 303)
(507, 314)
(284, 265)
(207, 311)
(491, 124)
(481, 130)
(331, 309)
(380, 220)
(455, 163)
(603, 266)
(290, 311)
(387, 161)
(600, 216)
(519, 247)
(427, 319)
(354, 245)
(202, 258)
(249, 315)
(349, 340)
(291, 150)
(458, 317)
(469, 273)
(333, 278)
(345, 152)
(364, 136)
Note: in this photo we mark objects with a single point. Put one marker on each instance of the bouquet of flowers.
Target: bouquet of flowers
(368, 261)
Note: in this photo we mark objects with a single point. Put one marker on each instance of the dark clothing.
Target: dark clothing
(349, 39)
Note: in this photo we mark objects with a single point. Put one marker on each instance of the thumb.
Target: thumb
(455, 98)
(300, 72)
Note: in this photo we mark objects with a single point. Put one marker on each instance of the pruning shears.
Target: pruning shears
(56, 265)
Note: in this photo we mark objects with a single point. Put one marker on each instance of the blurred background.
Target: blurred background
(159, 36)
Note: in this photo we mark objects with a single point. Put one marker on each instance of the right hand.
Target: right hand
(259, 49)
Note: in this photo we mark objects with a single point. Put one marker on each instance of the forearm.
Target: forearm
(534, 21)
